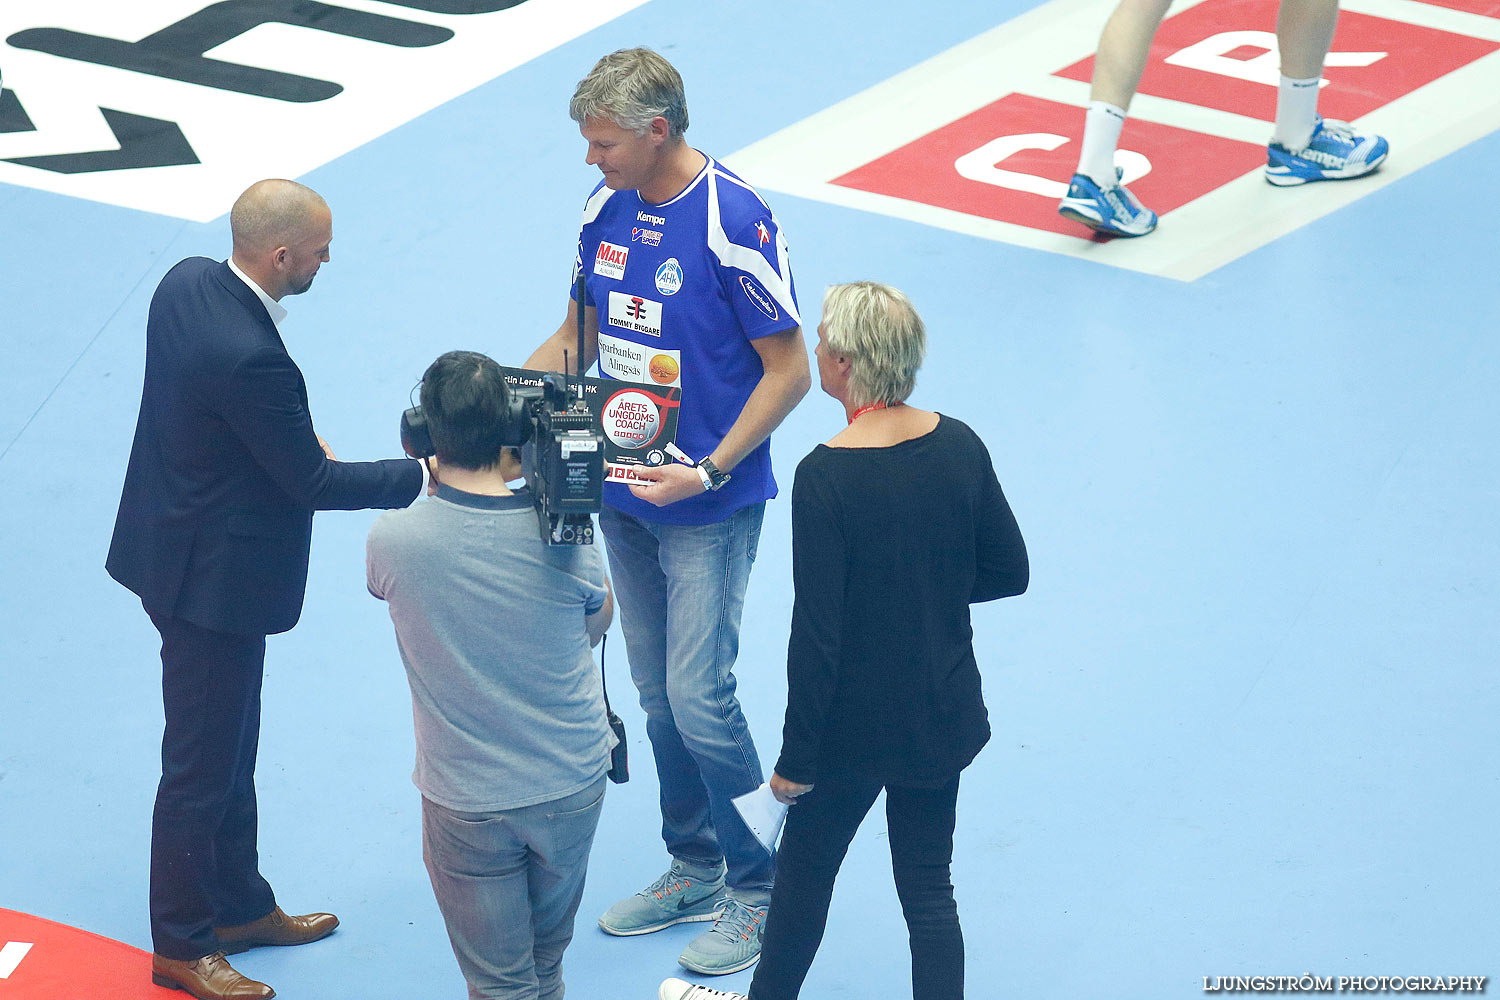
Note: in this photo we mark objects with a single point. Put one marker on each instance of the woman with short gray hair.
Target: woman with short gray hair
(877, 329)
(898, 525)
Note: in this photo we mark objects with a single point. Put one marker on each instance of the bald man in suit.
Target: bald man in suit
(213, 532)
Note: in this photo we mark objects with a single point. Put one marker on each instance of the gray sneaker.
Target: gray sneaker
(678, 897)
(732, 944)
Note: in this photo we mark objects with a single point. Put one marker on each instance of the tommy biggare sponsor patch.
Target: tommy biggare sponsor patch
(631, 312)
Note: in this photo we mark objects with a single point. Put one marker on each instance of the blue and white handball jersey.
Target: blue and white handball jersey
(681, 290)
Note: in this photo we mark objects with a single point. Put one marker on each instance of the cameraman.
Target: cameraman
(494, 628)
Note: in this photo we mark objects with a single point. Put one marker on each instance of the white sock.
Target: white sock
(1101, 133)
(1296, 112)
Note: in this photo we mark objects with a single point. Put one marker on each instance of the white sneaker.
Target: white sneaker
(676, 989)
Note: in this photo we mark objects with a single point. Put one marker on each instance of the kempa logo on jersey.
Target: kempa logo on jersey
(669, 277)
(609, 262)
(656, 220)
(176, 106)
(631, 312)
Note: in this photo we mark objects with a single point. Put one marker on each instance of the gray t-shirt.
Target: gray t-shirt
(490, 623)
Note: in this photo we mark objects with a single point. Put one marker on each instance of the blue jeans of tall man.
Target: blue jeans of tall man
(681, 591)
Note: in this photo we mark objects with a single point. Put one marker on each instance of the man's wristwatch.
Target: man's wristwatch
(712, 478)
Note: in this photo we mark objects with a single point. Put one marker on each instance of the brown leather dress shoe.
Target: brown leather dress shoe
(276, 928)
(208, 978)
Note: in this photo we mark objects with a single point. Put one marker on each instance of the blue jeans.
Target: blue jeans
(508, 884)
(680, 589)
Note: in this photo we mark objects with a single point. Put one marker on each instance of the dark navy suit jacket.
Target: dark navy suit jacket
(225, 472)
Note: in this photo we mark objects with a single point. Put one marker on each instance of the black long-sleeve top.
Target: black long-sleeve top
(890, 546)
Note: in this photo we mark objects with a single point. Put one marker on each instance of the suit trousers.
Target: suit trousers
(204, 863)
(819, 829)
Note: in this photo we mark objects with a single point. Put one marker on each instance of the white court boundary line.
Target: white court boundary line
(1020, 57)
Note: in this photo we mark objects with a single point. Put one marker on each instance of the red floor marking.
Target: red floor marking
(66, 963)
(1187, 164)
(1416, 56)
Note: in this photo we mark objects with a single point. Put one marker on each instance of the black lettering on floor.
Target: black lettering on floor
(176, 51)
(144, 142)
(13, 117)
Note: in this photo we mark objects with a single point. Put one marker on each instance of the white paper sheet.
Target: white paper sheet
(762, 814)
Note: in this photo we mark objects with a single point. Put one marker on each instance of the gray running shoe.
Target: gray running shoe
(732, 944)
(678, 897)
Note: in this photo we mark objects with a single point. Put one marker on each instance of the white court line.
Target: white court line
(1021, 55)
(11, 955)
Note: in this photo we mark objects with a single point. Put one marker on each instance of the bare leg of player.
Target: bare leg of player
(1123, 47)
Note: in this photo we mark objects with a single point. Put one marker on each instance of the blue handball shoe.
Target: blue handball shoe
(1334, 153)
(1111, 210)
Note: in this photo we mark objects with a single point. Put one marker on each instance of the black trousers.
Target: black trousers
(204, 864)
(819, 829)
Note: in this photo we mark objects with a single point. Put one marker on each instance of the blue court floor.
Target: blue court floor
(1244, 718)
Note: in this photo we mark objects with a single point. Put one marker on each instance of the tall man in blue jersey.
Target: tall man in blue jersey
(686, 284)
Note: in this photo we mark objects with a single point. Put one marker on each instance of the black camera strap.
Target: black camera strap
(604, 677)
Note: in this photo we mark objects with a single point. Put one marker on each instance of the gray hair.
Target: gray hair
(877, 328)
(272, 213)
(631, 87)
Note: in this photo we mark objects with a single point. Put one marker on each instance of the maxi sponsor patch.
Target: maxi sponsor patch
(175, 106)
(983, 138)
(610, 260)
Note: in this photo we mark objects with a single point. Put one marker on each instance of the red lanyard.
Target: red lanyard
(873, 406)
